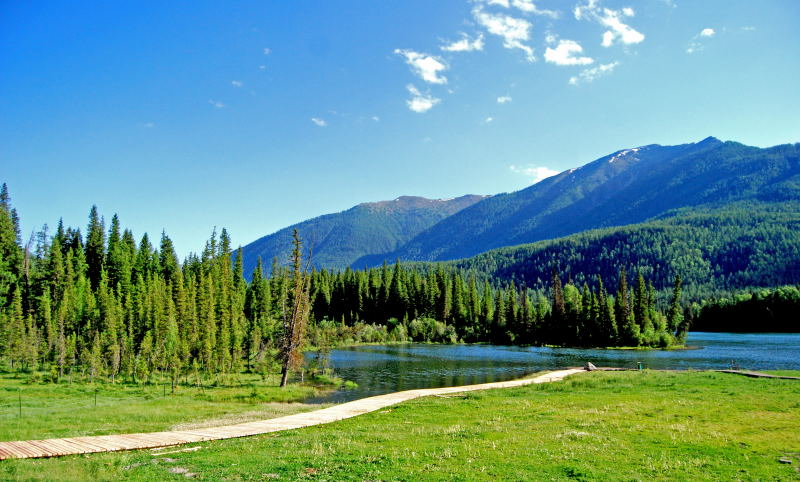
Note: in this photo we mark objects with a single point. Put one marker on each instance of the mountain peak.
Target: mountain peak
(368, 229)
(709, 140)
(419, 202)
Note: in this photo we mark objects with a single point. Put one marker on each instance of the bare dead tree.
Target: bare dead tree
(295, 320)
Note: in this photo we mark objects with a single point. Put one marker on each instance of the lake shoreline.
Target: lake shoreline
(384, 368)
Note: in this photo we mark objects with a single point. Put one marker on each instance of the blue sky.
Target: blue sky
(255, 115)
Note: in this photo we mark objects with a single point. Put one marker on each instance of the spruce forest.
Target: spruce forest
(101, 303)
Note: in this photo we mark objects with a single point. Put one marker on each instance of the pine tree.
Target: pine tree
(95, 247)
(14, 333)
(10, 251)
(295, 315)
(675, 319)
(397, 300)
(628, 328)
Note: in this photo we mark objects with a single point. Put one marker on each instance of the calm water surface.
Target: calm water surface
(390, 368)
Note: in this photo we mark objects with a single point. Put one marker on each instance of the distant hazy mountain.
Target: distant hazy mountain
(625, 187)
(628, 186)
(371, 228)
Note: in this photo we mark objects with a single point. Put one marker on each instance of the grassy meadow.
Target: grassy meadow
(75, 409)
(599, 425)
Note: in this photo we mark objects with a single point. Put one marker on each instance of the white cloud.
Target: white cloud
(376, 118)
(529, 7)
(618, 31)
(588, 75)
(216, 103)
(465, 44)
(419, 102)
(427, 67)
(514, 31)
(319, 122)
(504, 99)
(566, 53)
(536, 173)
(696, 44)
(749, 29)
(262, 67)
(236, 83)
(526, 6)
(488, 120)
(267, 51)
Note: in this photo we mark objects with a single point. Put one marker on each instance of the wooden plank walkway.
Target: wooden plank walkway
(109, 443)
(757, 374)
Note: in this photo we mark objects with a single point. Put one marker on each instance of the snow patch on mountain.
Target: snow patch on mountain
(626, 153)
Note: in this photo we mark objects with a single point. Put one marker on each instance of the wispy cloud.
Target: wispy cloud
(514, 31)
(696, 44)
(618, 30)
(419, 102)
(465, 44)
(267, 51)
(427, 67)
(488, 120)
(319, 122)
(376, 118)
(149, 125)
(236, 83)
(535, 173)
(526, 6)
(566, 52)
(504, 99)
(588, 75)
(262, 67)
(216, 103)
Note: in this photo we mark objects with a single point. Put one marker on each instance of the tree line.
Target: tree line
(443, 305)
(104, 304)
(715, 249)
(765, 310)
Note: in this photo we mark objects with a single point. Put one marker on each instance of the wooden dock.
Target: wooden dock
(110, 443)
(752, 374)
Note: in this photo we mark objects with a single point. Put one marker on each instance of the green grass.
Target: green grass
(600, 425)
(61, 410)
(784, 373)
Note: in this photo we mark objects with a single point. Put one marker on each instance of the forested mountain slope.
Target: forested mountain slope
(369, 228)
(714, 249)
(628, 186)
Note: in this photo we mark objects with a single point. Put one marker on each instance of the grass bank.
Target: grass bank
(600, 425)
(45, 410)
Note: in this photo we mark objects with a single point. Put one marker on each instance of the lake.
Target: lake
(389, 368)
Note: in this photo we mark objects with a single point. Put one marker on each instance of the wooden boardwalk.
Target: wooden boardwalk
(109, 443)
(757, 374)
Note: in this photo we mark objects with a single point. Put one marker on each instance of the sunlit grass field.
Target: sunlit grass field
(45, 410)
(600, 425)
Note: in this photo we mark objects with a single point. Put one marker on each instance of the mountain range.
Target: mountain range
(626, 187)
(340, 239)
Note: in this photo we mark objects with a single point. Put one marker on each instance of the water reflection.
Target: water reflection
(389, 368)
